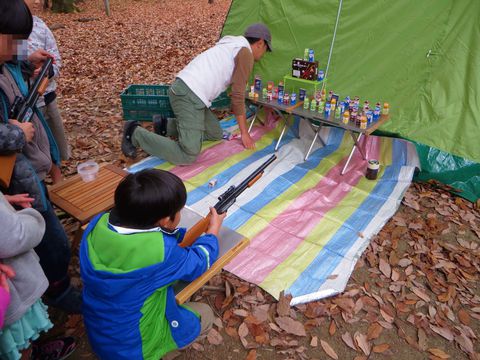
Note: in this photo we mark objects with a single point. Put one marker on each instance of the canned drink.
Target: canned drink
(311, 55)
(333, 103)
(369, 116)
(338, 113)
(328, 108)
(376, 114)
(366, 105)
(280, 97)
(305, 54)
(269, 96)
(258, 83)
(321, 105)
(321, 75)
(293, 99)
(363, 121)
(386, 108)
(280, 86)
(286, 98)
(323, 94)
(301, 94)
(341, 107)
(346, 117)
(306, 103)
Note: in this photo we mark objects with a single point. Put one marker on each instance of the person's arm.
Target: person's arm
(25, 229)
(52, 48)
(241, 73)
(12, 138)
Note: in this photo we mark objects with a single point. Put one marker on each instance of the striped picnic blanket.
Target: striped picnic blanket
(308, 224)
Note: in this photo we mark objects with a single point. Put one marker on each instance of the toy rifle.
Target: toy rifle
(224, 202)
(22, 110)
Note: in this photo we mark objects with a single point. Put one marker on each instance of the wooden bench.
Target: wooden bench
(83, 200)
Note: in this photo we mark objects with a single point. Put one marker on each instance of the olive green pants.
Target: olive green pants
(194, 123)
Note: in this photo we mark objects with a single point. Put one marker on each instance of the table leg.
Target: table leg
(253, 120)
(355, 146)
(315, 137)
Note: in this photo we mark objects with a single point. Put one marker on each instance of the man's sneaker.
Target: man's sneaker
(70, 301)
(160, 125)
(127, 147)
(54, 349)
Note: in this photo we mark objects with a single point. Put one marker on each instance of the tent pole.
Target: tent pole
(333, 41)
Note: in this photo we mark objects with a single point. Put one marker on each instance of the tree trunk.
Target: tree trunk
(63, 6)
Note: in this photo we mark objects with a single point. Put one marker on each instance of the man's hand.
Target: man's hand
(27, 128)
(39, 56)
(216, 221)
(247, 141)
(22, 200)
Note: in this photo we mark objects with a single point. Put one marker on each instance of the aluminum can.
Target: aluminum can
(280, 97)
(301, 94)
(286, 98)
(293, 99)
(320, 75)
(258, 83)
(269, 96)
(306, 103)
(311, 55)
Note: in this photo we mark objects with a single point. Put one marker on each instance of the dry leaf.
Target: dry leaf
(422, 340)
(463, 317)
(374, 331)
(328, 349)
(214, 337)
(291, 326)
(438, 353)
(348, 340)
(252, 355)
(380, 348)
(442, 331)
(362, 342)
(283, 306)
(243, 330)
(385, 268)
(422, 295)
(332, 328)
(314, 341)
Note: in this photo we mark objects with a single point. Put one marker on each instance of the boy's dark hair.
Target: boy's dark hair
(143, 198)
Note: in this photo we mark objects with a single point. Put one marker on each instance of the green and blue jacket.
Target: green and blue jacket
(129, 306)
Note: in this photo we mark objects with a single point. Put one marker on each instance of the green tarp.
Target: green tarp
(422, 57)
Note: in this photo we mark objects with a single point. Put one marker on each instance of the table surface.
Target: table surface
(298, 110)
(83, 200)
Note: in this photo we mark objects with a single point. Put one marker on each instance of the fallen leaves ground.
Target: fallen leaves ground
(414, 293)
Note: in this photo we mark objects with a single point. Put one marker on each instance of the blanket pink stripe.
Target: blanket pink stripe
(272, 245)
(217, 153)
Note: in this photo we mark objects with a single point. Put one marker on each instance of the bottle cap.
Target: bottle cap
(373, 164)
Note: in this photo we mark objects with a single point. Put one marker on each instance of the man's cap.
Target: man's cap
(259, 31)
(16, 18)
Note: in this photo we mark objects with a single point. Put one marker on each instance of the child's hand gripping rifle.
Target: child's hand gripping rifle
(22, 110)
(224, 202)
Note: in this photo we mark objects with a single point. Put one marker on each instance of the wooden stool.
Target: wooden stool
(84, 200)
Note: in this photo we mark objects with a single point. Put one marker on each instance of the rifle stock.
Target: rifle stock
(7, 162)
(225, 201)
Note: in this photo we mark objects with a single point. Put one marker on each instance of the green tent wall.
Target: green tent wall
(423, 57)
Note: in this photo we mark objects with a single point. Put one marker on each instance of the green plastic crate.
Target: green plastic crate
(141, 102)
